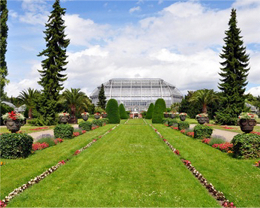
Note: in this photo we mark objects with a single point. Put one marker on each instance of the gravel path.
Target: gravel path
(217, 132)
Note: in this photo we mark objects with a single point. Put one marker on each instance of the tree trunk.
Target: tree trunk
(30, 113)
(204, 108)
(73, 110)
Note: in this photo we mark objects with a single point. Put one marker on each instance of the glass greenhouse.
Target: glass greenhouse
(137, 93)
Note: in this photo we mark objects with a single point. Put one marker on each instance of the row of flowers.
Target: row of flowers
(37, 179)
(217, 194)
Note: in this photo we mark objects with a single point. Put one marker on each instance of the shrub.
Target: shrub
(225, 118)
(97, 122)
(246, 145)
(112, 112)
(85, 125)
(216, 140)
(15, 145)
(149, 113)
(159, 108)
(183, 125)
(122, 112)
(64, 131)
(202, 131)
(105, 121)
(50, 141)
(172, 122)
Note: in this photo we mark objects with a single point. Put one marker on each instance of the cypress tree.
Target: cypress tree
(122, 111)
(3, 45)
(102, 98)
(149, 113)
(233, 73)
(51, 75)
(112, 111)
(159, 108)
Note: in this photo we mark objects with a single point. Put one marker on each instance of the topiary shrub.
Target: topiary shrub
(183, 125)
(15, 145)
(122, 111)
(172, 122)
(85, 125)
(64, 131)
(149, 113)
(113, 112)
(97, 122)
(246, 146)
(159, 108)
(201, 131)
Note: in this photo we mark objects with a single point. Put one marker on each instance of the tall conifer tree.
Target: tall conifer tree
(233, 73)
(51, 75)
(3, 45)
(102, 98)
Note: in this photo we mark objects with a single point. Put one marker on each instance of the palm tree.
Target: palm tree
(28, 97)
(203, 97)
(76, 100)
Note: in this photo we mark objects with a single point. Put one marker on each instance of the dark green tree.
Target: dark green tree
(102, 98)
(52, 67)
(3, 45)
(233, 73)
(149, 113)
(122, 111)
(112, 111)
(158, 110)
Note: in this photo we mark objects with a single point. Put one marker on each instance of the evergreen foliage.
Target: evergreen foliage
(233, 73)
(85, 125)
(183, 125)
(3, 45)
(54, 64)
(149, 113)
(112, 112)
(202, 131)
(122, 112)
(102, 98)
(159, 108)
(63, 131)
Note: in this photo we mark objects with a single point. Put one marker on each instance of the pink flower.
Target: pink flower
(75, 134)
(62, 162)
(84, 131)
(2, 204)
(165, 140)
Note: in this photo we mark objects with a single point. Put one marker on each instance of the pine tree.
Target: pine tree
(102, 98)
(51, 75)
(158, 110)
(233, 73)
(122, 112)
(113, 112)
(3, 45)
(149, 113)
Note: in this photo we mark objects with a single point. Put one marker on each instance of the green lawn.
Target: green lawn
(16, 172)
(238, 179)
(26, 129)
(129, 167)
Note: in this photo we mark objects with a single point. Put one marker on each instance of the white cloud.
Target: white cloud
(254, 91)
(135, 9)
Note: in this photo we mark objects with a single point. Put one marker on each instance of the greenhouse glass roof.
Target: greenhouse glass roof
(137, 93)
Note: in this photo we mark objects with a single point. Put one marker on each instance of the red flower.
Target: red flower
(77, 152)
(84, 131)
(75, 134)
(2, 204)
(62, 162)
(187, 162)
(165, 140)
(177, 152)
(12, 115)
(182, 131)
(206, 141)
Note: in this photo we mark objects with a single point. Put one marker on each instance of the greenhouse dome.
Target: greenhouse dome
(137, 93)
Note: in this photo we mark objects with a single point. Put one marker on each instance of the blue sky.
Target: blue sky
(178, 41)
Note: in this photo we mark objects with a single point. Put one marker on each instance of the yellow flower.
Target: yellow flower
(2, 163)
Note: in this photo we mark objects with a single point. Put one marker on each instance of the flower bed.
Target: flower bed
(39, 128)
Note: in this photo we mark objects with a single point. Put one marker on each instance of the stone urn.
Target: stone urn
(202, 120)
(97, 116)
(166, 115)
(64, 119)
(182, 117)
(247, 125)
(104, 115)
(85, 117)
(14, 125)
(172, 115)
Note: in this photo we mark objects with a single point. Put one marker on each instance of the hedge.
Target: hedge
(112, 112)
(183, 125)
(63, 131)
(159, 108)
(149, 113)
(122, 111)
(85, 125)
(202, 131)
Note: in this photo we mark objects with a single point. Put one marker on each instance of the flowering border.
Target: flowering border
(219, 196)
(40, 177)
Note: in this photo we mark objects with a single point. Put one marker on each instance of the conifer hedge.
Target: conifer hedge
(149, 113)
(112, 111)
(122, 111)
(159, 108)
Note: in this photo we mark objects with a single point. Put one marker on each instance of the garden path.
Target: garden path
(217, 132)
(38, 135)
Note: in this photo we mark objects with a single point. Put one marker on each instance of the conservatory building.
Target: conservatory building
(137, 93)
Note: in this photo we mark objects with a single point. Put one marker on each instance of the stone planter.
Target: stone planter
(64, 119)
(13, 125)
(247, 125)
(85, 117)
(172, 115)
(104, 115)
(97, 116)
(182, 117)
(166, 115)
(202, 120)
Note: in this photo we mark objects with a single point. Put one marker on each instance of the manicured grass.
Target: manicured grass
(128, 167)
(16, 172)
(234, 128)
(238, 179)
